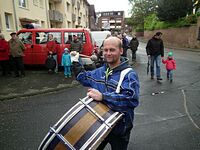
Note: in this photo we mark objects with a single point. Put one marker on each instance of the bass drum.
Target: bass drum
(83, 127)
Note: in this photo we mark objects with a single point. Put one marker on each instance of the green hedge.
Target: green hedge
(152, 22)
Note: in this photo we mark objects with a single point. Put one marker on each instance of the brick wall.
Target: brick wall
(179, 37)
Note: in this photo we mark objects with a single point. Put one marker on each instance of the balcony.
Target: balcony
(55, 16)
(73, 17)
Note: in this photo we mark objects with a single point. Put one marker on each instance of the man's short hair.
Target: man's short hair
(119, 42)
(13, 33)
(158, 33)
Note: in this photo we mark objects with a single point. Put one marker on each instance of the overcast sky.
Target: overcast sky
(111, 5)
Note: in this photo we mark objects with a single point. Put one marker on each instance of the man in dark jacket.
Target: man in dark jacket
(125, 44)
(134, 43)
(76, 45)
(103, 83)
(155, 51)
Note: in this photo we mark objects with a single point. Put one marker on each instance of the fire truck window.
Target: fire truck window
(25, 37)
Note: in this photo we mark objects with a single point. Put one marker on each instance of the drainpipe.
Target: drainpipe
(47, 14)
(15, 15)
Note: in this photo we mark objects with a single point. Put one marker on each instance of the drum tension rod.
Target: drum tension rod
(95, 113)
(63, 140)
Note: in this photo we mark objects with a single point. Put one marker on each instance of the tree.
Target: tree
(141, 9)
(171, 10)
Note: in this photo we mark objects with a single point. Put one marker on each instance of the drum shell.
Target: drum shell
(83, 129)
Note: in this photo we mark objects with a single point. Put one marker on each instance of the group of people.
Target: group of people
(68, 56)
(132, 45)
(11, 56)
(155, 53)
(103, 82)
(103, 86)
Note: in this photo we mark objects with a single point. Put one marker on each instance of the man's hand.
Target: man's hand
(94, 94)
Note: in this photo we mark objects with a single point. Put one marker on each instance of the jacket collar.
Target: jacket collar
(123, 65)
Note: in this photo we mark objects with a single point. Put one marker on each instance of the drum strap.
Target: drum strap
(122, 75)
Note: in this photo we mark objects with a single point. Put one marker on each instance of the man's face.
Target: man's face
(13, 36)
(75, 38)
(50, 36)
(112, 52)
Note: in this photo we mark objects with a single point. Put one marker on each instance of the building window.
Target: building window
(68, 24)
(68, 7)
(41, 3)
(22, 3)
(42, 37)
(35, 2)
(69, 37)
(43, 24)
(8, 21)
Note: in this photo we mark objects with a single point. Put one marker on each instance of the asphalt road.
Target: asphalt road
(169, 120)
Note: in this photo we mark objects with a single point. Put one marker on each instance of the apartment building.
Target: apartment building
(68, 13)
(111, 20)
(16, 14)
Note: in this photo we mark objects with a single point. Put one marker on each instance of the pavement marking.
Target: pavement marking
(186, 110)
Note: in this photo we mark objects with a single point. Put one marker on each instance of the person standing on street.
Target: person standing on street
(103, 84)
(52, 50)
(170, 64)
(4, 55)
(155, 51)
(125, 44)
(66, 63)
(134, 43)
(16, 50)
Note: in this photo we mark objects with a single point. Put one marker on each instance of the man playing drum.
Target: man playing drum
(103, 82)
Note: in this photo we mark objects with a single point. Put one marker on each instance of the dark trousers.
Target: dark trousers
(133, 55)
(5, 67)
(18, 65)
(117, 142)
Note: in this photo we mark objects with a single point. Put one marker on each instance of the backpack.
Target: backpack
(50, 62)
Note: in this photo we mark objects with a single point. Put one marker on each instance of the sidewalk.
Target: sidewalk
(35, 82)
(39, 81)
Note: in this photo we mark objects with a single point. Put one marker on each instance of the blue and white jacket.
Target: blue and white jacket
(106, 80)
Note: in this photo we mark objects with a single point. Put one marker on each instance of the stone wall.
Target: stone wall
(179, 37)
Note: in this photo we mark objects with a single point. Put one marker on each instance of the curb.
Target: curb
(38, 92)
